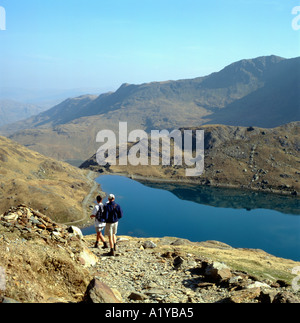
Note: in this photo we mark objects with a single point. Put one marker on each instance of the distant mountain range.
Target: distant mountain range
(262, 92)
(12, 111)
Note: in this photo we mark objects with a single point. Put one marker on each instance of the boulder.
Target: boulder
(285, 297)
(245, 295)
(267, 296)
(178, 261)
(218, 272)
(149, 244)
(87, 258)
(99, 292)
(76, 231)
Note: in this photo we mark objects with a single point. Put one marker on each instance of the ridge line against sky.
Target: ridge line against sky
(103, 43)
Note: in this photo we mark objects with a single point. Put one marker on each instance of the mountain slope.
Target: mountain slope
(12, 111)
(248, 158)
(276, 103)
(258, 92)
(55, 188)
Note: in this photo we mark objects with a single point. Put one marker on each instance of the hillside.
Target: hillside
(250, 158)
(12, 111)
(51, 263)
(256, 92)
(55, 188)
(275, 103)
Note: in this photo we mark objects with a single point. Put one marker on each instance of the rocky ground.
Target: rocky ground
(144, 271)
(42, 261)
(240, 157)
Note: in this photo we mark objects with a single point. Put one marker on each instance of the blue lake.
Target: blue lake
(241, 219)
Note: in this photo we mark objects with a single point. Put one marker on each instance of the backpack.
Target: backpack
(114, 212)
(100, 216)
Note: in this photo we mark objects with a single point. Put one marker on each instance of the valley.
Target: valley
(261, 92)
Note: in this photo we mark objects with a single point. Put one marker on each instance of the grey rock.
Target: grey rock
(137, 296)
(149, 244)
(218, 272)
(99, 292)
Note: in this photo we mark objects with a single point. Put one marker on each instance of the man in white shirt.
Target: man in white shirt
(99, 222)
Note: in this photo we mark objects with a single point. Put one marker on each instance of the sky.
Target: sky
(100, 44)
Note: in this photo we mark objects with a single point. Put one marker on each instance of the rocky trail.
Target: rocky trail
(87, 200)
(45, 262)
(142, 272)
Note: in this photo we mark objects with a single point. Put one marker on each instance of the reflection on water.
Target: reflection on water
(239, 218)
(231, 198)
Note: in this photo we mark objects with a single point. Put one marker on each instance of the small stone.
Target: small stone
(11, 217)
(137, 296)
(41, 226)
(258, 284)
(178, 261)
(149, 244)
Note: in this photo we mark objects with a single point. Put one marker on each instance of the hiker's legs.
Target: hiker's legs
(115, 242)
(100, 237)
(111, 241)
(110, 231)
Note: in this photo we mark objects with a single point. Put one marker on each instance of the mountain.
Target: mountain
(256, 92)
(12, 111)
(276, 102)
(55, 188)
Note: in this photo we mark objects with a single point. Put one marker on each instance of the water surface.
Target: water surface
(239, 218)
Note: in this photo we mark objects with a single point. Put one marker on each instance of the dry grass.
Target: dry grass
(56, 189)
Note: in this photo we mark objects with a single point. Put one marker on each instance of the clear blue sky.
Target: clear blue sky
(103, 43)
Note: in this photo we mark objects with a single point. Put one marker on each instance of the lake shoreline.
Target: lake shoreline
(213, 211)
(194, 183)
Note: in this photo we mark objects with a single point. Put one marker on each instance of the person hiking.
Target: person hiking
(113, 213)
(99, 215)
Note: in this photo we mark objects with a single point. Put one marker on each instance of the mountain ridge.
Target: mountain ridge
(68, 131)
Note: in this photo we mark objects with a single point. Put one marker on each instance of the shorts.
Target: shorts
(99, 226)
(111, 228)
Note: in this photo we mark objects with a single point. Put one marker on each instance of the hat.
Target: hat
(111, 197)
